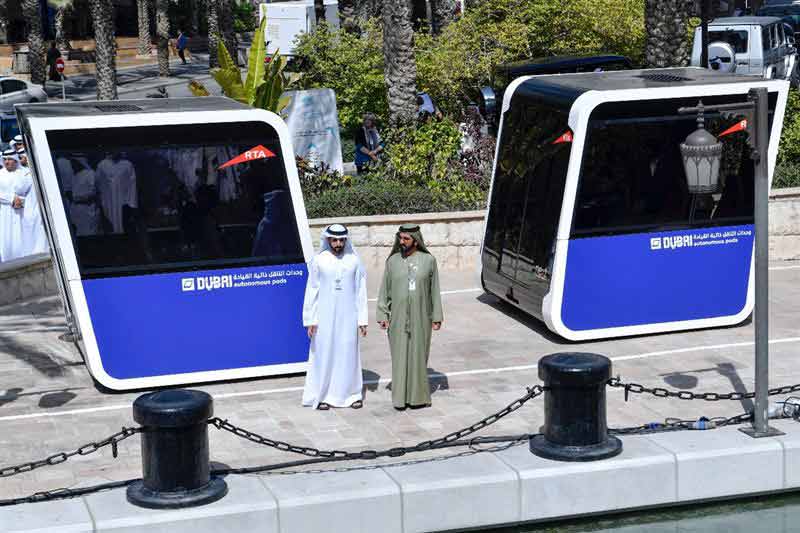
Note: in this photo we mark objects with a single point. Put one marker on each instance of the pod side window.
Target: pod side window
(632, 178)
(528, 190)
(152, 199)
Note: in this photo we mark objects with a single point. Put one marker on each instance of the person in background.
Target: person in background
(52, 55)
(180, 44)
(368, 144)
(10, 206)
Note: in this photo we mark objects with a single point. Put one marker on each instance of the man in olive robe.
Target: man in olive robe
(410, 306)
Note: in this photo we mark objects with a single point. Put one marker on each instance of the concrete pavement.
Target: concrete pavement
(482, 360)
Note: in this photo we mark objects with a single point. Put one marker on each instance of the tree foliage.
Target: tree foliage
(453, 66)
(351, 65)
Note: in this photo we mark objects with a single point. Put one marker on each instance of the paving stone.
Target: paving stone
(59, 516)
(248, 506)
(723, 462)
(360, 501)
(643, 474)
(471, 491)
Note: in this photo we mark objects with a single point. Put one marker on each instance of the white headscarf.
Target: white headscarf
(11, 154)
(16, 141)
(336, 231)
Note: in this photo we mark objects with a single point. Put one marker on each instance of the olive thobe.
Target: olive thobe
(409, 300)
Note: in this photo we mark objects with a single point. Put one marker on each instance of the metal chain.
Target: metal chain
(86, 449)
(662, 392)
(374, 454)
(676, 424)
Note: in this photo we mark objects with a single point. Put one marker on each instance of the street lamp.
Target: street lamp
(702, 154)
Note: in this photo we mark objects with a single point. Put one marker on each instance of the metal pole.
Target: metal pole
(63, 90)
(705, 10)
(761, 312)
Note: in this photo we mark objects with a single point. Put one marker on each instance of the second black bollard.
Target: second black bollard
(575, 408)
(175, 455)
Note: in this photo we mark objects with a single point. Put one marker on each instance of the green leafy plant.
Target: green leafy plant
(265, 80)
(351, 65)
(420, 153)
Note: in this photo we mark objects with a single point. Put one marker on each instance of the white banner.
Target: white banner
(314, 125)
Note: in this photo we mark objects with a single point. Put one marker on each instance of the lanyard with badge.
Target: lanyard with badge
(412, 275)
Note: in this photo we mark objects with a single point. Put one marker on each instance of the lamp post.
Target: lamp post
(702, 155)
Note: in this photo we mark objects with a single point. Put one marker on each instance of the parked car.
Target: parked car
(755, 46)
(16, 91)
(491, 98)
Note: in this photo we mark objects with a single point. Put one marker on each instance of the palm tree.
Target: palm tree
(667, 32)
(400, 68)
(4, 21)
(143, 16)
(319, 11)
(226, 25)
(442, 14)
(162, 31)
(105, 48)
(30, 10)
(213, 32)
(61, 14)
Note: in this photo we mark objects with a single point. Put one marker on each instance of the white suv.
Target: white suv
(756, 46)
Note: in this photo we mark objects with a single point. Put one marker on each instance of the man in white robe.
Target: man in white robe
(335, 313)
(10, 207)
(116, 185)
(85, 215)
(32, 235)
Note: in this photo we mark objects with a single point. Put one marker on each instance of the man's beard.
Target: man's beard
(338, 250)
(407, 249)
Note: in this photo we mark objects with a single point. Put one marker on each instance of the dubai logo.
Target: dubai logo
(257, 152)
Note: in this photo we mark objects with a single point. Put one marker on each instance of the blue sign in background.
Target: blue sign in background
(162, 324)
(651, 278)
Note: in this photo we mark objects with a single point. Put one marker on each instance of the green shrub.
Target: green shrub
(789, 151)
(379, 197)
(787, 174)
(351, 65)
(245, 17)
(421, 153)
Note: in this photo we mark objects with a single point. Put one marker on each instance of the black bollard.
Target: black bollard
(175, 458)
(575, 408)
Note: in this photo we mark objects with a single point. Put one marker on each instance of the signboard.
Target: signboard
(314, 126)
(60, 65)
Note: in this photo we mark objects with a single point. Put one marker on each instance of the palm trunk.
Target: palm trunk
(4, 21)
(61, 36)
(162, 29)
(400, 70)
(30, 10)
(143, 16)
(213, 32)
(667, 35)
(105, 49)
(226, 24)
(319, 11)
(195, 18)
(442, 14)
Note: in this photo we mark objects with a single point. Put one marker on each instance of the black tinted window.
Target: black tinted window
(737, 39)
(528, 187)
(10, 86)
(632, 177)
(160, 198)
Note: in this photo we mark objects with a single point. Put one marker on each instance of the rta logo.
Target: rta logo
(655, 243)
(187, 284)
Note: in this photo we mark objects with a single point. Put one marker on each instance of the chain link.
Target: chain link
(661, 392)
(676, 424)
(374, 454)
(61, 457)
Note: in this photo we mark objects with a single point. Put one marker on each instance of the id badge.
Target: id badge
(412, 284)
